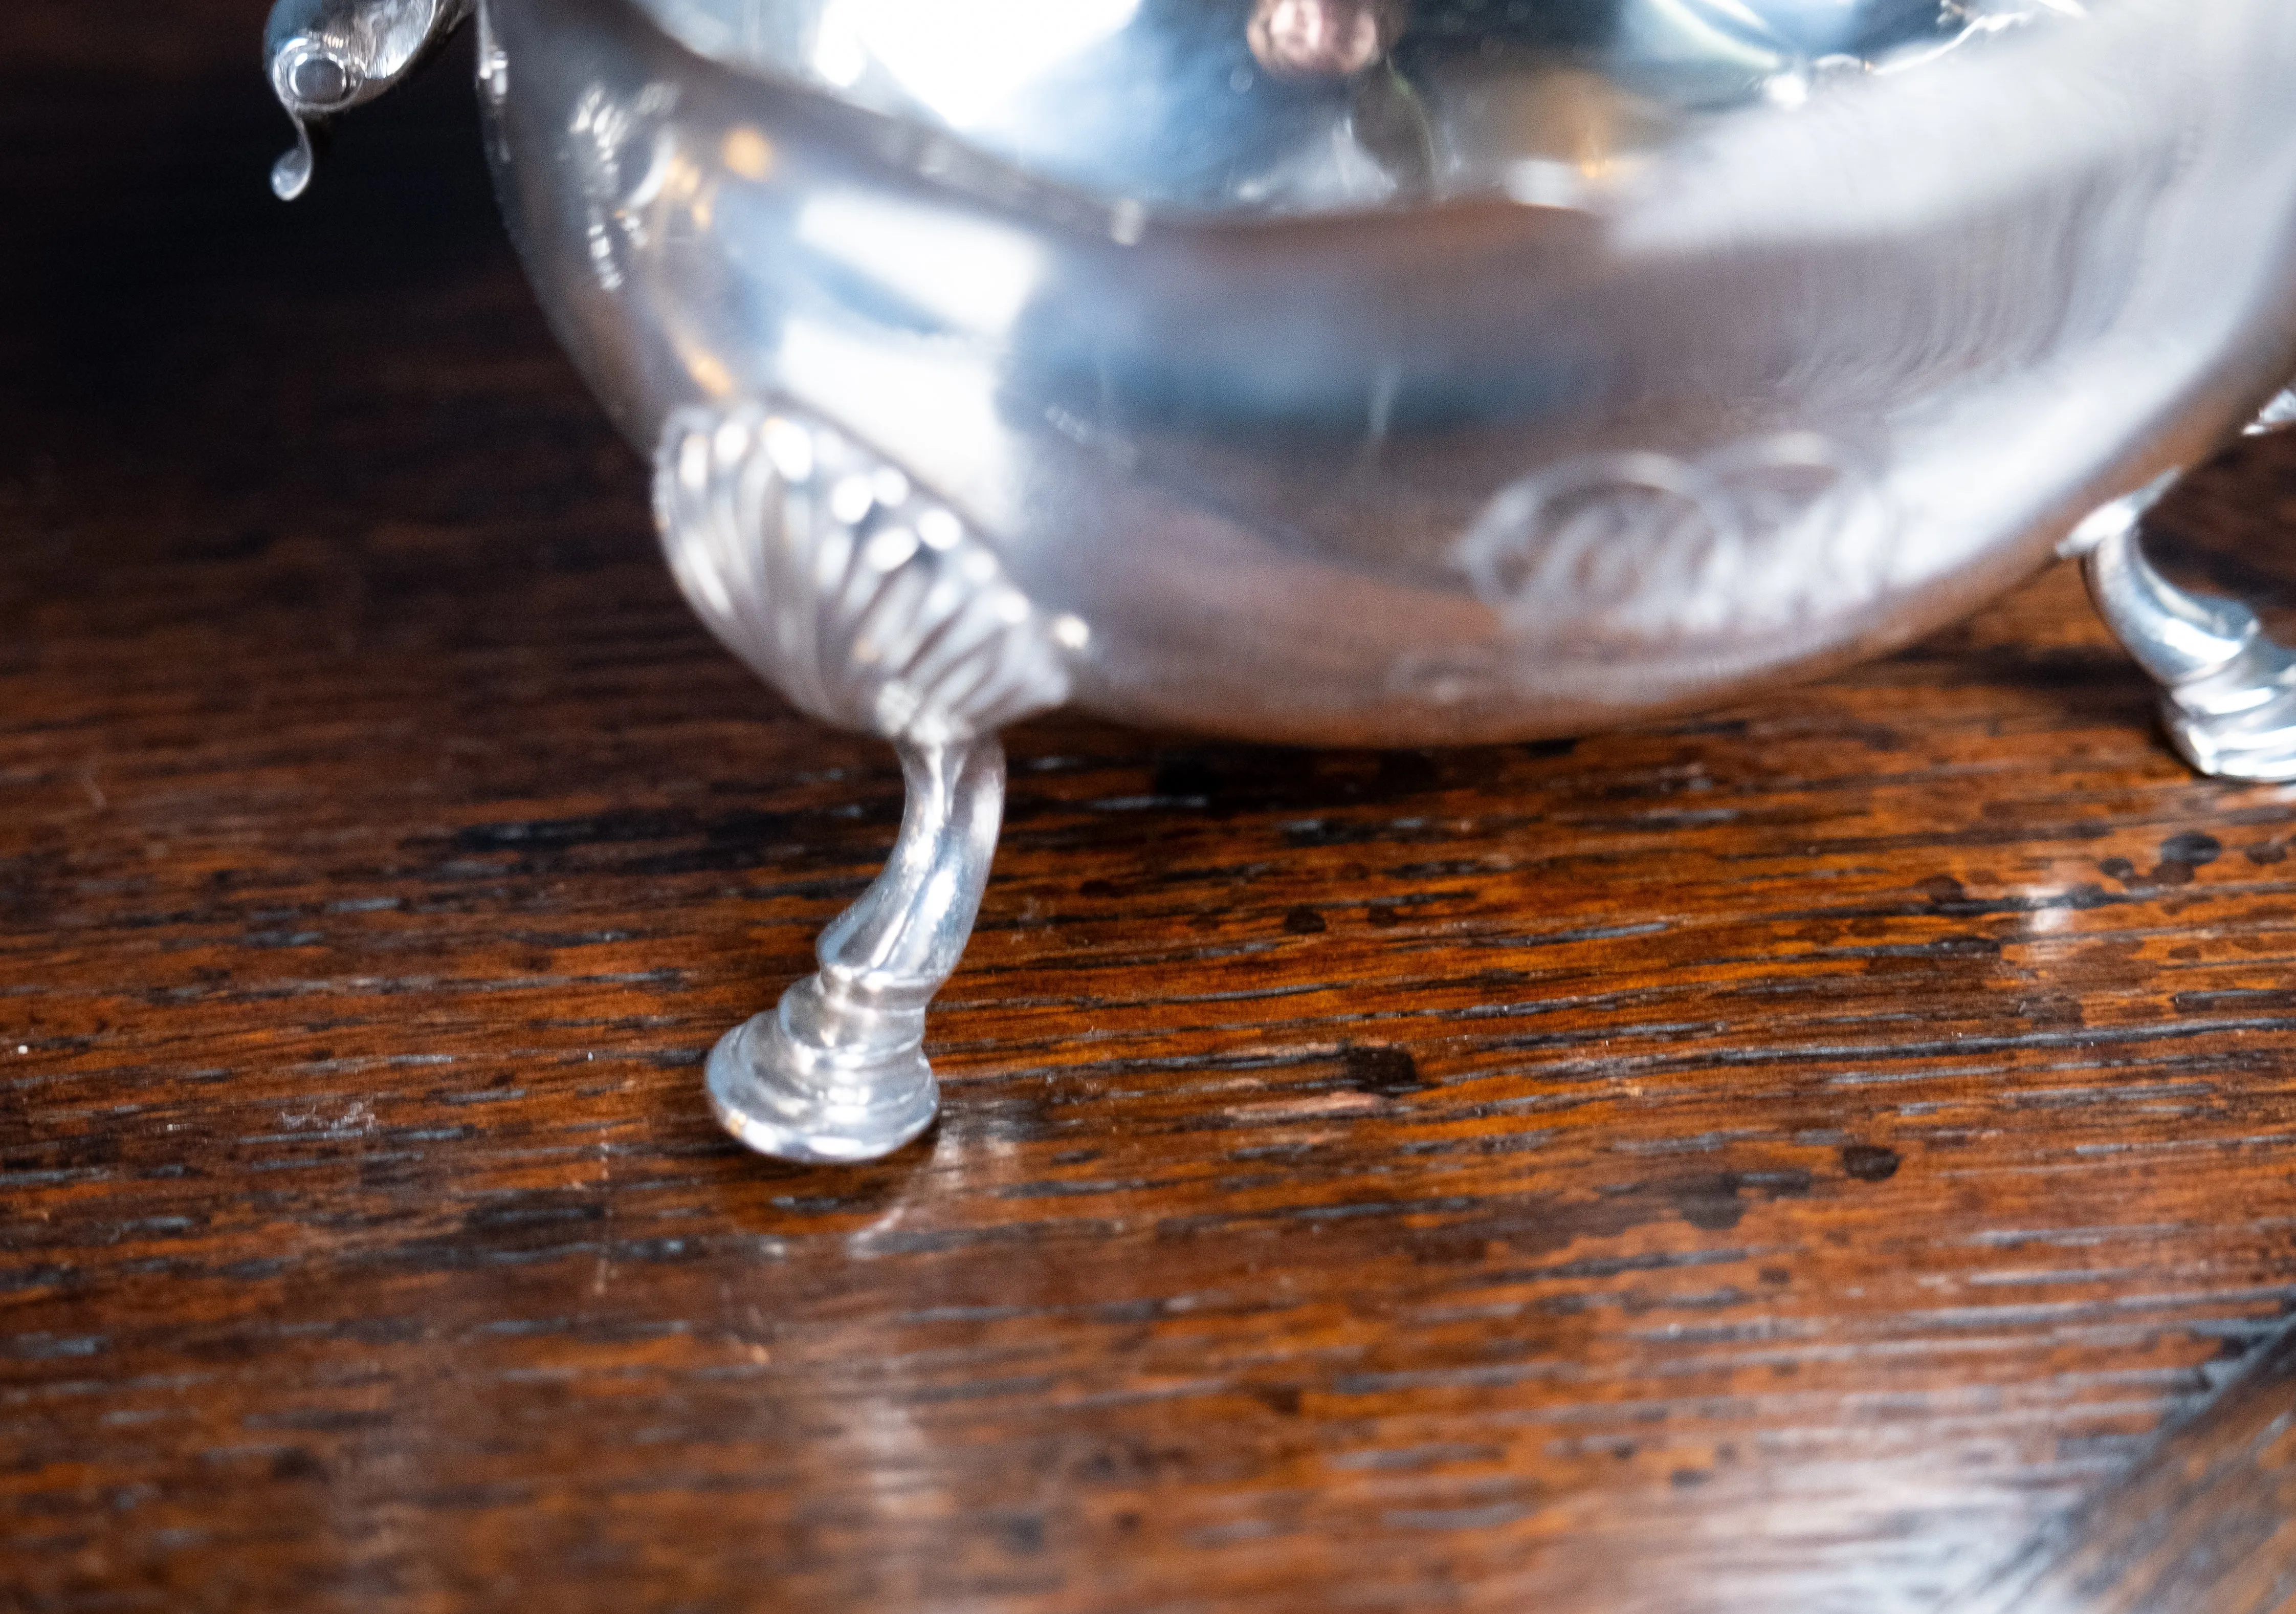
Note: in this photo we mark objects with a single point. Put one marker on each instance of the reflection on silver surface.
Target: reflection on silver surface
(1323, 38)
(2279, 413)
(1384, 371)
(1321, 104)
(1884, 335)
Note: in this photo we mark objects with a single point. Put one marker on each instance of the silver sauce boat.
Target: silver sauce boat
(1368, 372)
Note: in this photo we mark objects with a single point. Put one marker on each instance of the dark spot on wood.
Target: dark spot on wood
(1185, 782)
(545, 1209)
(1943, 888)
(1021, 1533)
(1403, 773)
(2265, 853)
(1718, 1202)
(1443, 1246)
(1383, 915)
(2051, 1009)
(2192, 849)
(2242, 1001)
(1304, 921)
(1715, 1209)
(1385, 1071)
(1683, 1479)
(295, 1464)
(1869, 1162)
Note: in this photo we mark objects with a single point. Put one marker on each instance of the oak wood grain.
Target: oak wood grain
(1798, 1158)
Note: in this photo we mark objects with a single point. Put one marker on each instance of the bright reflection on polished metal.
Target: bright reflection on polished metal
(1369, 372)
(1317, 105)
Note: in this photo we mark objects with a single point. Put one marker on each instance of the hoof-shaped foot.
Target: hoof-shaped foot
(2257, 745)
(838, 1071)
(787, 1098)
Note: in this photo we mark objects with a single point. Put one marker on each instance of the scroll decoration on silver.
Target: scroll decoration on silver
(1642, 547)
(325, 57)
(869, 604)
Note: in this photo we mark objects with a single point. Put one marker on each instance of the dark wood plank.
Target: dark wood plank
(1782, 1160)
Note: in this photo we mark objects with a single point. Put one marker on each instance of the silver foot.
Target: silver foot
(869, 603)
(838, 1072)
(2228, 688)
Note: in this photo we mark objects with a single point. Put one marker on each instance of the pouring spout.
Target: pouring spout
(290, 176)
(322, 57)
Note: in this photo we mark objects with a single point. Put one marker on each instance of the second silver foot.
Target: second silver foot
(2228, 688)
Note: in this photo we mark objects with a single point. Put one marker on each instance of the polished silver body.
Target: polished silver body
(1359, 372)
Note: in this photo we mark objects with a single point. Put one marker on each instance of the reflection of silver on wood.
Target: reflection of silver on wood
(869, 604)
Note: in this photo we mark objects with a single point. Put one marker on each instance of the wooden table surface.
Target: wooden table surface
(1802, 1158)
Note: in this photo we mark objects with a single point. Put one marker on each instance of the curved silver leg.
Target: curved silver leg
(2228, 688)
(869, 604)
(838, 1072)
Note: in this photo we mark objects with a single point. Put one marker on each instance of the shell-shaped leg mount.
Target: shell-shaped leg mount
(2228, 688)
(871, 606)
